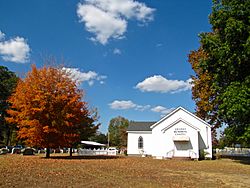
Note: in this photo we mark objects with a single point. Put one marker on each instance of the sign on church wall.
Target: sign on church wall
(180, 131)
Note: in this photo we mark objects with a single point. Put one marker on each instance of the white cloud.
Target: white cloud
(160, 84)
(103, 24)
(122, 105)
(162, 110)
(125, 105)
(108, 19)
(142, 108)
(128, 104)
(89, 76)
(15, 50)
(117, 51)
(2, 35)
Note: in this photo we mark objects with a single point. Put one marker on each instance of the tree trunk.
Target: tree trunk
(70, 151)
(8, 133)
(47, 152)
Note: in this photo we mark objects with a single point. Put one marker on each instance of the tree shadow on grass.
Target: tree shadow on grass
(239, 159)
(245, 161)
(85, 157)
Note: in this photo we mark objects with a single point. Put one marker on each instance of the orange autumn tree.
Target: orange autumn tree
(48, 109)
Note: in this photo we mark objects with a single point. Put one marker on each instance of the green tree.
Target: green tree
(117, 131)
(99, 137)
(89, 131)
(8, 81)
(227, 49)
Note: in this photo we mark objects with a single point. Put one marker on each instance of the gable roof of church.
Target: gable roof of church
(174, 111)
(148, 126)
(140, 126)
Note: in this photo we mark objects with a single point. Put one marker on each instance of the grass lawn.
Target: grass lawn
(36, 171)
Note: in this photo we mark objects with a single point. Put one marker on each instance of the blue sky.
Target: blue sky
(129, 56)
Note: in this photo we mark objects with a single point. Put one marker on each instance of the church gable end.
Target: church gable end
(178, 121)
(177, 112)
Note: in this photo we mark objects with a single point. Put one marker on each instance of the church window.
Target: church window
(140, 142)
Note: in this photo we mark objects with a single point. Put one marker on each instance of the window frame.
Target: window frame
(140, 142)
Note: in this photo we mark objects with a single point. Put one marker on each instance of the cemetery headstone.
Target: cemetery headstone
(28, 151)
(16, 151)
(3, 151)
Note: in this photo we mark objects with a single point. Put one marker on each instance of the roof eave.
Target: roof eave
(174, 111)
(139, 131)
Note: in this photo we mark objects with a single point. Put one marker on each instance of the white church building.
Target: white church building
(178, 134)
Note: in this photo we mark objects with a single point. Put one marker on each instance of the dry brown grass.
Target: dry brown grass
(36, 171)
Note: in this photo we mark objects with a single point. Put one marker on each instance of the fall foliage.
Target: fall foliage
(48, 109)
(203, 93)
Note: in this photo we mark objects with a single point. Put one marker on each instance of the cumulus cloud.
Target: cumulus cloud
(161, 109)
(89, 76)
(160, 84)
(14, 50)
(104, 25)
(109, 18)
(142, 107)
(125, 105)
(117, 51)
(122, 105)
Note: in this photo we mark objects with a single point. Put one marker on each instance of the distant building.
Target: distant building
(178, 134)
